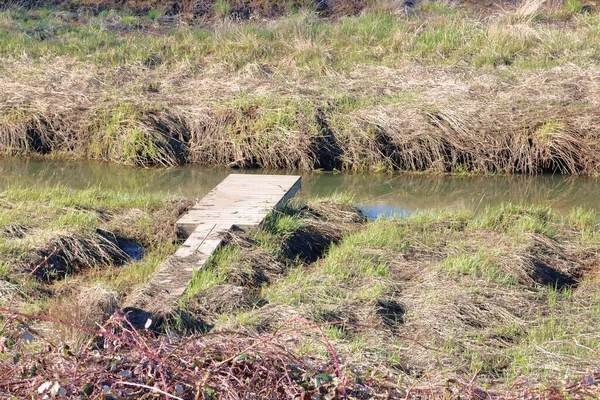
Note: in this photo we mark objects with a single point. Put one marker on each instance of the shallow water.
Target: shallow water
(375, 194)
(131, 248)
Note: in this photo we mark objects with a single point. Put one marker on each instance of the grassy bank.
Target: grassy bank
(508, 293)
(442, 88)
(49, 236)
(318, 301)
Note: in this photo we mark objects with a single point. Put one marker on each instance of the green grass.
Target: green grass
(573, 6)
(516, 220)
(214, 272)
(4, 270)
(50, 213)
(58, 198)
(438, 34)
(480, 264)
(136, 274)
(565, 334)
(222, 8)
(583, 219)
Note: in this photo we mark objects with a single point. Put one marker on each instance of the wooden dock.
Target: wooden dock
(239, 201)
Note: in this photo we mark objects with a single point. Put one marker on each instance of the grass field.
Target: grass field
(441, 88)
(500, 302)
(493, 303)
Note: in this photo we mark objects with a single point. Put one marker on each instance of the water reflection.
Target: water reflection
(376, 193)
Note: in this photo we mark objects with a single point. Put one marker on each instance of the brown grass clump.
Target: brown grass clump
(526, 11)
(67, 255)
(454, 139)
(88, 307)
(224, 299)
(133, 223)
(14, 230)
(548, 263)
(255, 266)
(326, 222)
(253, 137)
(98, 302)
(332, 215)
(31, 130)
(7, 289)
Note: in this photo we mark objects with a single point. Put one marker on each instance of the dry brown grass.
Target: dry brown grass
(89, 307)
(444, 91)
(429, 299)
(69, 254)
(13, 230)
(470, 137)
(450, 119)
(527, 10)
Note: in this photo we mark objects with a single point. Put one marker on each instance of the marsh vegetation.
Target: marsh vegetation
(318, 299)
(442, 88)
(484, 302)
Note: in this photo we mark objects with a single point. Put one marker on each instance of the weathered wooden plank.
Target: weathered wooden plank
(239, 200)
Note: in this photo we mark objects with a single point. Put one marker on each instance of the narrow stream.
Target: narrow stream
(375, 194)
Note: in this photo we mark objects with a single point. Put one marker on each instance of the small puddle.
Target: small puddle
(374, 211)
(131, 248)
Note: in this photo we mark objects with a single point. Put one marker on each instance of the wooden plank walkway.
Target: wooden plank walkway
(240, 201)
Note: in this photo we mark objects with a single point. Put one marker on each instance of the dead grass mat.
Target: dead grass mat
(460, 119)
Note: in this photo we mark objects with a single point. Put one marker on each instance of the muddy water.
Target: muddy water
(376, 194)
